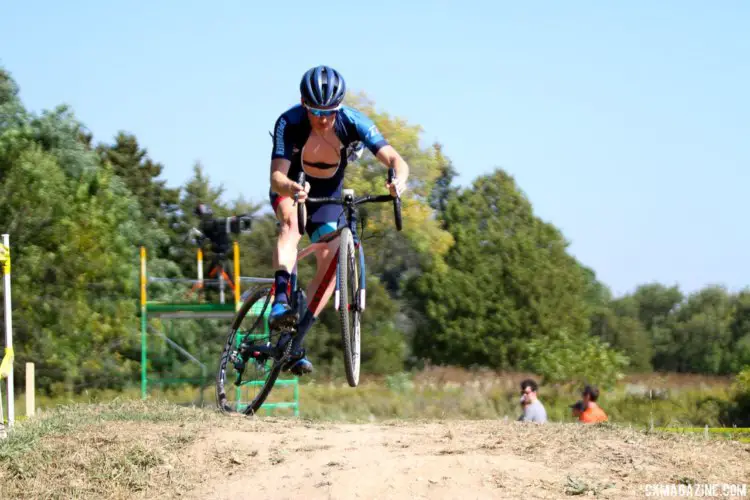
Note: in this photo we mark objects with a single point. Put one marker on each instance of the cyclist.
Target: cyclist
(319, 136)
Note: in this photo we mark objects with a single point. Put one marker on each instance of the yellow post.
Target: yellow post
(143, 276)
(200, 268)
(236, 276)
(144, 355)
(6, 366)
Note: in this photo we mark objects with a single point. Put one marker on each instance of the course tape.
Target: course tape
(7, 365)
(5, 258)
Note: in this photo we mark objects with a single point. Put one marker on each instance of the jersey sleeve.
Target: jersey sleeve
(366, 131)
(282, 139)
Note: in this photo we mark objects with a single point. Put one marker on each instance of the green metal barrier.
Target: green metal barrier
(192, 310)
(294, 382)
(216, 311)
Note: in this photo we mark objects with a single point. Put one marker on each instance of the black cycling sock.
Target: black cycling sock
(306, 322)
(282, 284)
(303, 327)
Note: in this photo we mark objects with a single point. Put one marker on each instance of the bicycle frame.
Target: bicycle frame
(333, 266)
(349, 204)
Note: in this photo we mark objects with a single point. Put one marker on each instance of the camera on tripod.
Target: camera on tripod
(217, 230)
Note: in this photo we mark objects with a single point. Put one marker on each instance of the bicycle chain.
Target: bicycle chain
(287, 351)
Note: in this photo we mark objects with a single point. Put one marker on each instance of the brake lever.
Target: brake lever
(391, 176)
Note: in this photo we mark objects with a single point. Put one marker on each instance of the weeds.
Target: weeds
(106, 450)
(155, 449)
(448, 393)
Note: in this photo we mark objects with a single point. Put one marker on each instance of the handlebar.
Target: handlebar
(300, 207)
(396, 201)
(357, 201)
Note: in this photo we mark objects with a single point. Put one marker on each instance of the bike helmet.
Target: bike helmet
(322, 87)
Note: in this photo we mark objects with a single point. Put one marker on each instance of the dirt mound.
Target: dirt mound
(157, 450)
(459, 459)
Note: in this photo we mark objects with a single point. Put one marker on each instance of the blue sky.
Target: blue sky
(627, 125)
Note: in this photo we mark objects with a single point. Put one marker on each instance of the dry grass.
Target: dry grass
(116, 450)
(442, 376)
(454, 393)
(158, 450)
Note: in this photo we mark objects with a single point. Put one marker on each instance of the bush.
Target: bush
(575, 358)
(737, 412)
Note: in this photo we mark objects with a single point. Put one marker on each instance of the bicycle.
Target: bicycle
(349, 299)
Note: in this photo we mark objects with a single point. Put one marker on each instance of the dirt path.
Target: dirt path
(274, 458)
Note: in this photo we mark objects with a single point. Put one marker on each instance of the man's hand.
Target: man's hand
(301, 192)
(390, 158)
(282, 184)
(397, 187)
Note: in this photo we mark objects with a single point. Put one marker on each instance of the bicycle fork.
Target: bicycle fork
(360, 299)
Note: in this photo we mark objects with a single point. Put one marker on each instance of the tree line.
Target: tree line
(475, 278)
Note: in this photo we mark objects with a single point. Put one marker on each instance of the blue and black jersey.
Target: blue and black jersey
(353, 128)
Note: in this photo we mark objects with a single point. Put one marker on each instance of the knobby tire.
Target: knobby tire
(348, 280)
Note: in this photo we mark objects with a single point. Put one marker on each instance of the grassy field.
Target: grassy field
(639, 400)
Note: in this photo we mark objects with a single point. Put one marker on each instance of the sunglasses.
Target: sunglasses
(322, 112)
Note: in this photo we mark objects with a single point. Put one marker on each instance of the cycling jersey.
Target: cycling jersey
(354, 129)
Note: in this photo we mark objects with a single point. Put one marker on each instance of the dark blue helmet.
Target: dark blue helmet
(322, 87)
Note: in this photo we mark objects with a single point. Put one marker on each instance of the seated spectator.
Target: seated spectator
(533, 409)
(592, 412)
(577, 408)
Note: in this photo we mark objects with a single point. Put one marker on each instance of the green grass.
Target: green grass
(450, 393)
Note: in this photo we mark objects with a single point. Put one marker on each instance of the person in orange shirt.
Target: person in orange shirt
(590, 412)
(577, 409)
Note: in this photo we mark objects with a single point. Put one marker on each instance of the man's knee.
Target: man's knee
(286, 215)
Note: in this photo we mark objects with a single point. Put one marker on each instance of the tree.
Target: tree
(395, 255)
(74, 225)
(580, 359)
(626, 334)
(159, 204)
(509, 280)
(443, 188)
(701, 335)
(739, 356)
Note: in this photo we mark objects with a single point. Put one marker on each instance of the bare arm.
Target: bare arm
(389, 157)
(282, 184)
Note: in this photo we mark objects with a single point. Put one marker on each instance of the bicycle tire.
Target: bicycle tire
(260, 292)
(350, 330)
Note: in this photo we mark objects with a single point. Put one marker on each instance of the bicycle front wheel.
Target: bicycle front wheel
(349, 313)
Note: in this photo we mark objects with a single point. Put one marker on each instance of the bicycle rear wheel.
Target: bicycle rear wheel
(251, 323)
(348, 305)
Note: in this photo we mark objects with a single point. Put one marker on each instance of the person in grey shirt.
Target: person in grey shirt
(533, 409)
